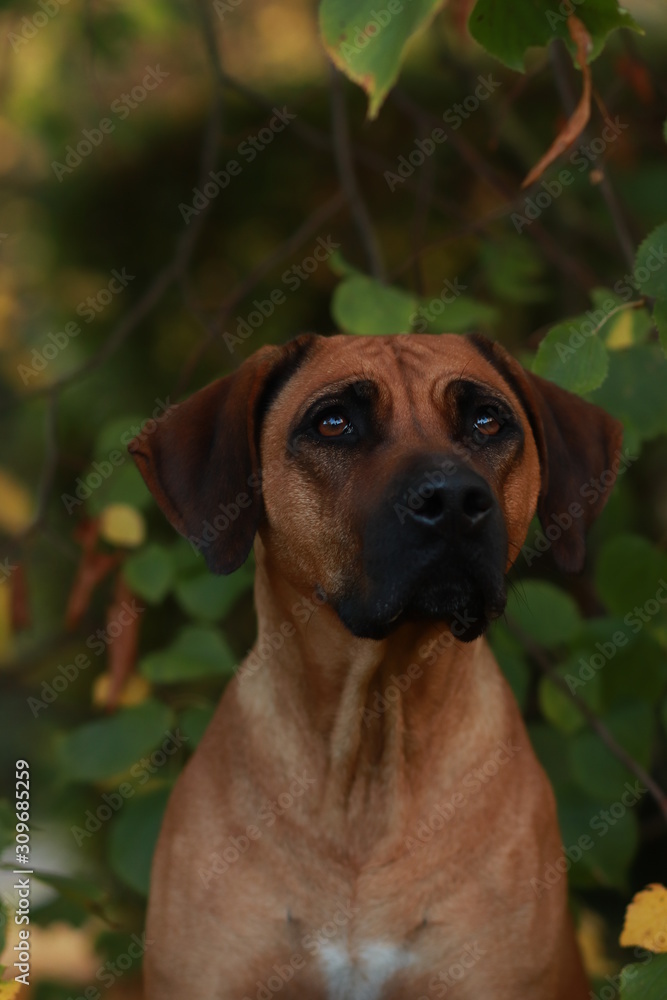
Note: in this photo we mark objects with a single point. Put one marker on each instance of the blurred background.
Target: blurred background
(130, 276)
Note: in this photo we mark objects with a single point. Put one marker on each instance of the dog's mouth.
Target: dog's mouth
(465, 608)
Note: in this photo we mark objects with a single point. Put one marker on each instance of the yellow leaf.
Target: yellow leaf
(16, 505)
(122, 525)
(591, 938)
(646, 920)
(621, 331)
(9, 989)
(136, 690)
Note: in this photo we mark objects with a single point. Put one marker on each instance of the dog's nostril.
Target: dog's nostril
(431, 507)
(476, 504)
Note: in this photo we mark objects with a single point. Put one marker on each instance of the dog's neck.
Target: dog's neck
(360, 716)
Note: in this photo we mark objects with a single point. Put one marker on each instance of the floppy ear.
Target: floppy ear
(578, 443)
(202, 462)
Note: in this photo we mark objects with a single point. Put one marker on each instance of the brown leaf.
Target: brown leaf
(577, 123)
(20, 606)
(122, 626)
(93, 567)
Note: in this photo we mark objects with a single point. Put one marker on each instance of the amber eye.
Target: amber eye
(333, 424)
(487, 424)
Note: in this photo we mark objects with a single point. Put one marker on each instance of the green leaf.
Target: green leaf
(210, 597)
(364, 306)
(133, 837)
(507, 28)
(198, 652)
(186, 559)
(645, 980)
(625, 326)
(123, 485)
(194, 720)
(544, 612)
(560, 710)
(651, 264)
(629, 573)
(341, 267)
(634, 390)
(595, 768)
(79, 891)
(367, 40)
(550, 747)
(513, 270)
(600, 846)
(622, 681)
(149, 573)
(573, 359)
(660, 320)
(462, 313)
(109, 746)
(116, 435)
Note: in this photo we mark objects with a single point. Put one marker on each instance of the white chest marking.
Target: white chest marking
(362, 978)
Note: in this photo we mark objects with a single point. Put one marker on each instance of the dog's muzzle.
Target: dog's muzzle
(434, 547)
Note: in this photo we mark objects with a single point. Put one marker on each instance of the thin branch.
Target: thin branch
(485, 171)
(343, 151)
(562, 68)
(596, 724)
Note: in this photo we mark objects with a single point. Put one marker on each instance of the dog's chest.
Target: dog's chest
(361, 975)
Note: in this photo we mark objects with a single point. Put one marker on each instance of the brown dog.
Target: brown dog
(364, 815)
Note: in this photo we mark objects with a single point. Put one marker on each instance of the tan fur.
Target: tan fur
(339, 849)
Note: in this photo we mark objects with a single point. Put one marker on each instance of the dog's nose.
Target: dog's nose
(462, 501)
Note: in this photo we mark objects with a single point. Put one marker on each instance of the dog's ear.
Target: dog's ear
(202, 462)
(579, 447)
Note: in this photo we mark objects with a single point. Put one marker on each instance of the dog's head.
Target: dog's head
(397, 475)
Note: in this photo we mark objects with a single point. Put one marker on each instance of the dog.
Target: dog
(364, 815)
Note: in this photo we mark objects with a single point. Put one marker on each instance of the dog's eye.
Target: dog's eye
(487, 423)
(333, 424)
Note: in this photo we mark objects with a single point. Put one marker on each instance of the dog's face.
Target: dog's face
(397, 475)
